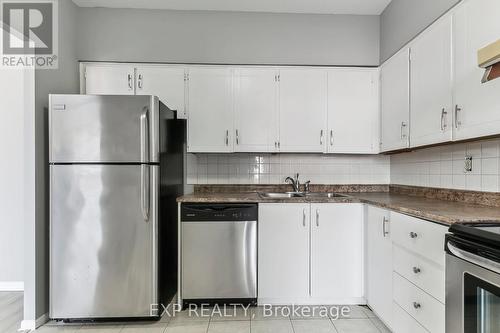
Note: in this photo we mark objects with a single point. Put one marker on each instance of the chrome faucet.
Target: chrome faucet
(294, 182)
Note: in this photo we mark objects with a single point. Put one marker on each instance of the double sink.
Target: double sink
(286, 195)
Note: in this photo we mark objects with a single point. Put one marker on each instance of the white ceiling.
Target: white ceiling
(361, 7)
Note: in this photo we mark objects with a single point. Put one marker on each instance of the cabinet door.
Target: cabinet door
(283, 272)
(353, 111)
(476, 24)
(303, 105)
(109, 80)
(379, 263)
(210, 110)
(395, 102)
(337, 248)
(256, 100)
(165, 82)
(431, 85)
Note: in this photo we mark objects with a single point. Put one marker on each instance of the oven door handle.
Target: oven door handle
(474, 258)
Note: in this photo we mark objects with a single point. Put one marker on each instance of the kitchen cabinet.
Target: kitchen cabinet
(379, 263)
(210, 110)
(283, 249)
(109, 79)
(168, 83)
(337, 251)
(395, 102)
(256, 110)
(431, 85)
(477, 112)
(302, 110)
(353, 111)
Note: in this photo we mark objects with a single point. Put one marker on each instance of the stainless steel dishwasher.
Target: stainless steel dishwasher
(219, 253)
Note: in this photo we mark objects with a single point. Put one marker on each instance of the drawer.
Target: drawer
(427, 310)
(425, 274)
(402, 322)
(420, 236)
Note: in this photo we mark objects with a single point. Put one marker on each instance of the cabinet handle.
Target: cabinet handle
(276, 144)
(403, 125)
(443, 119)
(331, 137)
(416, 270)
(321, 137)
(139, 81)
(129, 77)
(304, 217)
(413, 235)
(237, 137)
(317, 217)
(227, 137)
(279, 145)
(417, 305)
(384, 230)
(457, 111)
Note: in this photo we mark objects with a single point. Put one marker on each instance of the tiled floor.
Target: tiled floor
(360, 320)
(11, 311)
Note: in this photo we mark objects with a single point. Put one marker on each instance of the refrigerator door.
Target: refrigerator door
(103, 129)
(103, 241)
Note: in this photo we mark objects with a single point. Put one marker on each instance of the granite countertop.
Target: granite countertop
(435, 210)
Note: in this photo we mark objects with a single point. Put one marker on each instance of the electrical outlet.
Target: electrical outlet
(468, 163)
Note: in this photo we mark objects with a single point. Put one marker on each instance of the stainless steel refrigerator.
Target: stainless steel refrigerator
(116, 168)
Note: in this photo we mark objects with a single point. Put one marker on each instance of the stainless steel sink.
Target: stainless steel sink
(325, 195)
(281, 195)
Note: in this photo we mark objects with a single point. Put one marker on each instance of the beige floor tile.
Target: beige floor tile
(157, 327)
(259, 313)
(187, 327)
(355, 312)
(229, 327)
(313, 326)
(232, 314)
(312, 312)
(98, 328)
(368, 312)
(380, 325)
(355, 326)
(58, 328)
(271, 326)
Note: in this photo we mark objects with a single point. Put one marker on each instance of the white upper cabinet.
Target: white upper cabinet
(431, 85)
(168, 83)
(109, 79)
(337, 230)
(210, 110)
(353, 111)
(395, 102)
(303, 106)
(256, 110)
(476, 24)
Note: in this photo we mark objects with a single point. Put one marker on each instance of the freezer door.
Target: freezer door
(103, 241)
(103, 129)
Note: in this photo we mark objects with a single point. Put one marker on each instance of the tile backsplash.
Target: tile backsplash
(444, 167)
(247, 168)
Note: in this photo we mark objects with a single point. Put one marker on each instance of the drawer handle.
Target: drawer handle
(413, 235)
(416, 270)
(417, 305)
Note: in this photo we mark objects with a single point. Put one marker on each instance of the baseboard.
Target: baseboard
(11, 286)
(31, 325)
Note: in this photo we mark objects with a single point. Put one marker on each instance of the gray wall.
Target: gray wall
(402, 20)
(63, 80)
(227, 37)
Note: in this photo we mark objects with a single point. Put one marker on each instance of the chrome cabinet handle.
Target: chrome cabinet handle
(237, 137)
(227, 137)
(139, 81)
(278, 145)
(145, 191)
(413, 235)
(384, 230)
(416, 270)
(331, 137)
(457, 111)
(129, 77)
(144, 134)
(403, 125)
(317, 217)
(304, 217)
(443, 119)
(417, 305)
(321, 137)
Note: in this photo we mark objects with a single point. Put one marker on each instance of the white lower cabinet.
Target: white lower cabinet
(379, 263)
(310, 253)
(404, 323)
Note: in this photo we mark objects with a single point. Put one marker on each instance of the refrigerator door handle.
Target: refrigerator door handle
(145, 184)
(144, 122)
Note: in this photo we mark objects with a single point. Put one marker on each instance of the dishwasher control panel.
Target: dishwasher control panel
(218, 212)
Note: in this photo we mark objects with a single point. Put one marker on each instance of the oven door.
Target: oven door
(472, 292)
